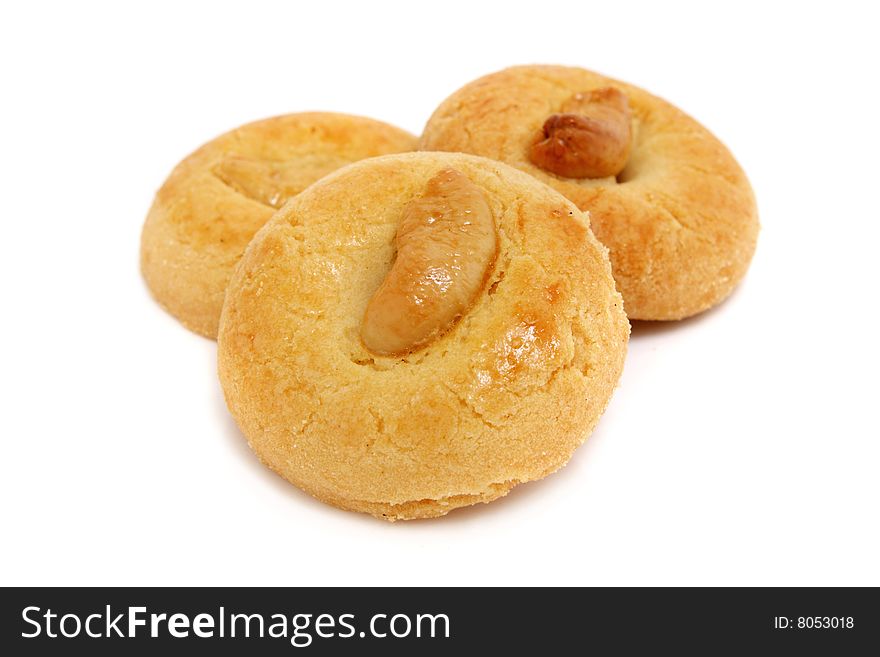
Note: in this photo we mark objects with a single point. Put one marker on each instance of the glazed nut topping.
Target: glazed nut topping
(591, 138)
(268, 182)
(446, 244)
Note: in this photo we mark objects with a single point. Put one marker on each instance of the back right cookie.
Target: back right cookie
(664, 195)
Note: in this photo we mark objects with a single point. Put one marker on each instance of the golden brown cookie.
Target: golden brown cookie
(665, 196)
(216, 199)
(420, 332)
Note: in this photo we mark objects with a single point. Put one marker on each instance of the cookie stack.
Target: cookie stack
(406, 326)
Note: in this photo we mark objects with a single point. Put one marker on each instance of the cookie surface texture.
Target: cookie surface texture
(679, 218)
(497, 385)
(217, 198)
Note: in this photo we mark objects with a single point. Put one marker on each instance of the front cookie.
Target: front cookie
(420, 332)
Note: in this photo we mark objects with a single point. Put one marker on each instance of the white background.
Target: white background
(742, 447)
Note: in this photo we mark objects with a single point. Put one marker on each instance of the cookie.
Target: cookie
(664, 195)
(420, 332)
(214, 201)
